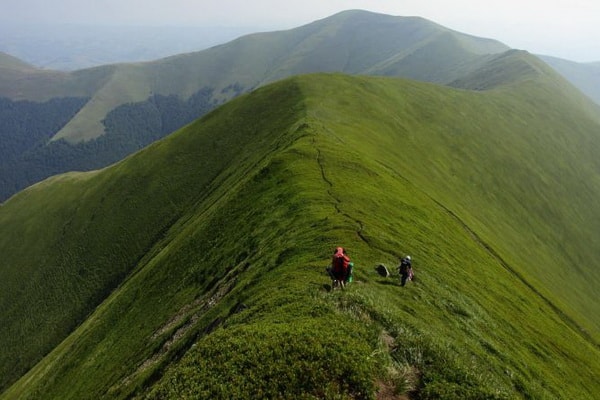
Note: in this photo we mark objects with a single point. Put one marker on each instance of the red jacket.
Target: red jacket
(340, 260)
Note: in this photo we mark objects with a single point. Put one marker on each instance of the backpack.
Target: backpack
(404, 266)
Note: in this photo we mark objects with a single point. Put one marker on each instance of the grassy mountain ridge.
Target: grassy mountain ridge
(509, 68)
(227, 283)
(99, 267)
(585, 76)
(523, 151)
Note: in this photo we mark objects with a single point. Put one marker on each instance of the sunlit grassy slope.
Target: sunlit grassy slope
(211, 245)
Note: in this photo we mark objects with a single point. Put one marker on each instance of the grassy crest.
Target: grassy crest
(227, 225)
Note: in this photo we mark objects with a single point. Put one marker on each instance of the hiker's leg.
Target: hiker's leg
(330, 272)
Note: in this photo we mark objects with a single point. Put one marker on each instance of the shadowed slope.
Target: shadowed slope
(70, 240)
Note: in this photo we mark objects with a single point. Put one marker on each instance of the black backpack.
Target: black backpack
(404, 266)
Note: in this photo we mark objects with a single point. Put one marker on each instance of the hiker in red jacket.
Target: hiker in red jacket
(339, 267)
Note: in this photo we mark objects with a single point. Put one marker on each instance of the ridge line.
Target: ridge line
(337, 201)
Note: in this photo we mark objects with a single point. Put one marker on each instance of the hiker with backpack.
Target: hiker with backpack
(405, 270)
(340, 269)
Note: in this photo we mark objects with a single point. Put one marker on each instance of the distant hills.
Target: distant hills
(127, 106)
(94, 117)
(355, 42)
(70, 47)
(585, 76)
(10, 63)
(196, 267)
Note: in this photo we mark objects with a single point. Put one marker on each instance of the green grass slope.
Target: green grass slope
(215, 241)
(70, 255)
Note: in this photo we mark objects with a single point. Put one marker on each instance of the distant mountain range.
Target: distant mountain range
(69, 47)
(353, 42)
(97, 116)
(585, 76)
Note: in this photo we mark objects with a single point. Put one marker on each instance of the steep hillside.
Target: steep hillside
(72, 249)
(195, 268)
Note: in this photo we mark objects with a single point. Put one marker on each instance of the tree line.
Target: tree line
(27, 155)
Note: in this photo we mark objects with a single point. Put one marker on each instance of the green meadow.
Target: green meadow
(195, 268)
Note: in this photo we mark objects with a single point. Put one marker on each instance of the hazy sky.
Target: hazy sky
(567, 29)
